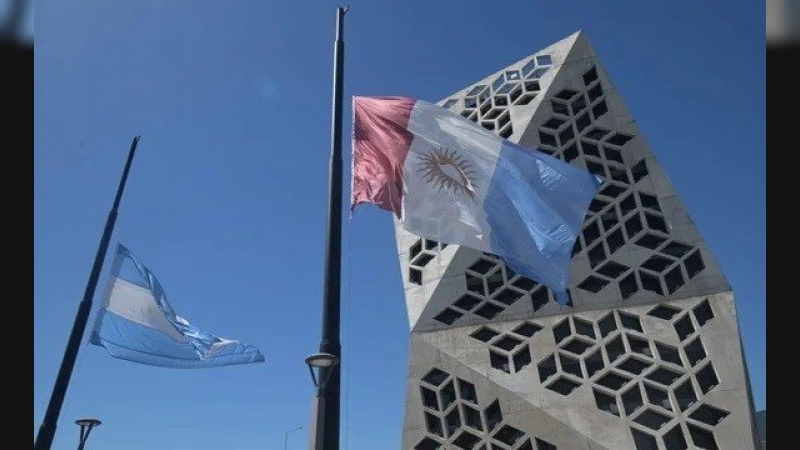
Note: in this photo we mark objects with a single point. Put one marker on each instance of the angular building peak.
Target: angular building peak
(638, 245)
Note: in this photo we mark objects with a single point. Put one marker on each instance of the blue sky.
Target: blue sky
(226, 199)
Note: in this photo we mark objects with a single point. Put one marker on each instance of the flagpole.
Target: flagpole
(325, 434)
(44, 439)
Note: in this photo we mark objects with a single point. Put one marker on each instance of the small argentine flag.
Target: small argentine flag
(136, 323)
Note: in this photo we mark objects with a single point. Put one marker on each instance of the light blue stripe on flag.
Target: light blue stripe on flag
(535, 206)
(137, 323)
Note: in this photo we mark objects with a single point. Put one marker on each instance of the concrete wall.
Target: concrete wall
(646, 356)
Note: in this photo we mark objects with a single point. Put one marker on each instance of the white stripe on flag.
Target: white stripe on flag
(446, 175)
(137, 304)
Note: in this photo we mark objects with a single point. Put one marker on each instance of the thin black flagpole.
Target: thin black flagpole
(44, 439)
(328, 395)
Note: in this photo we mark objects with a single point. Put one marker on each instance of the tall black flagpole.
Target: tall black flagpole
(44, 439)
(328, 396)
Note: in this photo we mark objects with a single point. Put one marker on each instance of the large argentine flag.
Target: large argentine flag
(450, 180)
(136, 323)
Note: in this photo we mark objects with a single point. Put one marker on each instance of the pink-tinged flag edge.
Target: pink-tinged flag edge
(381, 142)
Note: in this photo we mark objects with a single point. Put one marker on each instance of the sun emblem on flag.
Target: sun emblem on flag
(446, 169)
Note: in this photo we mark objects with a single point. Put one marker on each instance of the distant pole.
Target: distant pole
(286, 437)
(44, 439)
(327, 435)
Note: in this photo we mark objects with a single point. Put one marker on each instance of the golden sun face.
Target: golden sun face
(445, 169)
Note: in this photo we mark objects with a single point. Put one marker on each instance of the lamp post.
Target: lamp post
(47, 431)
(326, 433)
(86, 428)
(321, 366)
(286, 437)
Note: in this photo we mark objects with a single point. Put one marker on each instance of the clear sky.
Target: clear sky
(226, 200)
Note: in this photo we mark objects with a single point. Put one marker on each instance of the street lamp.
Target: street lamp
(321, 366)
(286, 437)
(322, 362)
(326, 435)
(86, 427)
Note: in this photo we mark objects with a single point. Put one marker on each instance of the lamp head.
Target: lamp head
(88, 422)
(322, 360)
(316, 363)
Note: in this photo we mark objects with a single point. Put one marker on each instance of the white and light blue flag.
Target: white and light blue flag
(136, 323)
(453, 181)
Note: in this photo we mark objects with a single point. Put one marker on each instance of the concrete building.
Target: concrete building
(647, 354)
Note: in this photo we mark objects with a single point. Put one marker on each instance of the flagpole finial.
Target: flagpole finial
(345, 9)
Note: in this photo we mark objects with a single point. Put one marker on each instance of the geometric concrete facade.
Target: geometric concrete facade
(647, 353)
